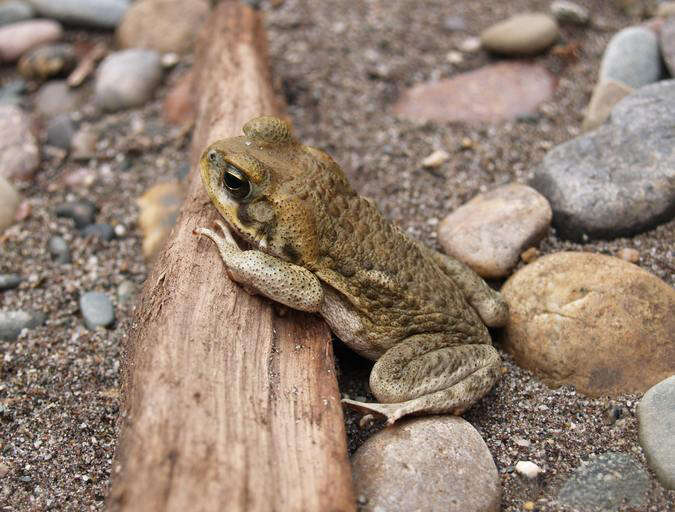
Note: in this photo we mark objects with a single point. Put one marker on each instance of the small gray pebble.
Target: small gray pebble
(82, 212)
(59, 249)
(97, 310)
(13, 322)
(12, 91)
(60, 131)
(454, 24)
(126, 291)
(9, 281)
(102, 231)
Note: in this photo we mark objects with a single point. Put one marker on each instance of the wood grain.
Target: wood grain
(227, 406)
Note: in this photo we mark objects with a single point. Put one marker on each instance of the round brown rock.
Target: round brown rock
(596, 322)
(162, 25)
(489, 232)
(434, 463)
(523, 34)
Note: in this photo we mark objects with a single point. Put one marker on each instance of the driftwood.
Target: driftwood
(227, 406)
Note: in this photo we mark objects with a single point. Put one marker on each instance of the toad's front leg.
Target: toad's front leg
(283, 282)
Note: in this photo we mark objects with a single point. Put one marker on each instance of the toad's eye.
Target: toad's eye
(236, 182)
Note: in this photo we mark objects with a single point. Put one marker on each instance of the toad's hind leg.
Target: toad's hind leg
(425, 375)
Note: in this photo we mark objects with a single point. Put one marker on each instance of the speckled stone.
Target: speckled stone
(433, 463)
(127, 79)
(97, 310)
(18, 38)
(9, 202)
(619, 179)
(19, 152)
(88, 13)
(47, 61)
(13, 322)
(632, 57)
(656, 416)
(605, 483)
(489, 232)
(592, 321)
(522, 34)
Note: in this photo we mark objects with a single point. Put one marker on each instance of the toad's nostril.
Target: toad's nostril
(212, 156)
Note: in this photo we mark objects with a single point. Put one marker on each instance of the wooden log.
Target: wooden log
(226, 406)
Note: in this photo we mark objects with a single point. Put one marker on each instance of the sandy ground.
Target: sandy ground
(340, 66)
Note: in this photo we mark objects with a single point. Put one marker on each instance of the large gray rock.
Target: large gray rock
(632, 57)
(605, 483)
(619, 179)
(656, 414)
(127, 79)
(435, 463)
(99, 13)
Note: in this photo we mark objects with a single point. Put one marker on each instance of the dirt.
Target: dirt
(340, 65)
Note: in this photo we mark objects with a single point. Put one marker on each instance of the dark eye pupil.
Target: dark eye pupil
(236, 182)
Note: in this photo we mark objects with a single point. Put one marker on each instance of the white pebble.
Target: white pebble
(436, 158)
(528, 469)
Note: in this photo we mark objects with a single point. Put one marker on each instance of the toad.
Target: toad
(317, 246)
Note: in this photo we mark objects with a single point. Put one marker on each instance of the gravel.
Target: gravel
(59, 386)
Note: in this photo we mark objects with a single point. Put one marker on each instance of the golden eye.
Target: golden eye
(236, 182)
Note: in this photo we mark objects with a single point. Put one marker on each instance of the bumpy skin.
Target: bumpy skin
(319, 247)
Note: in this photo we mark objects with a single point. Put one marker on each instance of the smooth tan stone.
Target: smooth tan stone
(491, 231)
(592, 321)
(159, 208)
(9, 202)
(522, 34)
(433, 463)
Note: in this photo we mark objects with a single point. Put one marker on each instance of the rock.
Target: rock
(13, 322)
(605, 95)
(60, 131)
(179, 107)
(162, 25)
(667, 39)
(529, 255)
(55, 98)
(523, 34)
(127, 79)
(656, 417)
(47, 61)
(607, 482)
(126, 291)
(101, 231)
(158, 213)
(83, 144)
(98, 14)
(4, 470)
(630, 255)
(12, 11)
(405, 467)
(665, 9)
(497, 92)
(470, 45)
(59, 249)
(454, 24)
(619, 179)
(97, 310)
(592, 321)
(19, 152)
(82, 212)
(435, 159)
(9, 281)
(18, 38)
(528, 469)
(11, 92)
(632, 57)
(489, 232)
(9, 202)
(569, 12)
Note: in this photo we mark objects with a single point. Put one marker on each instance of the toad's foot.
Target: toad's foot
(258, 272)
(392, 412)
